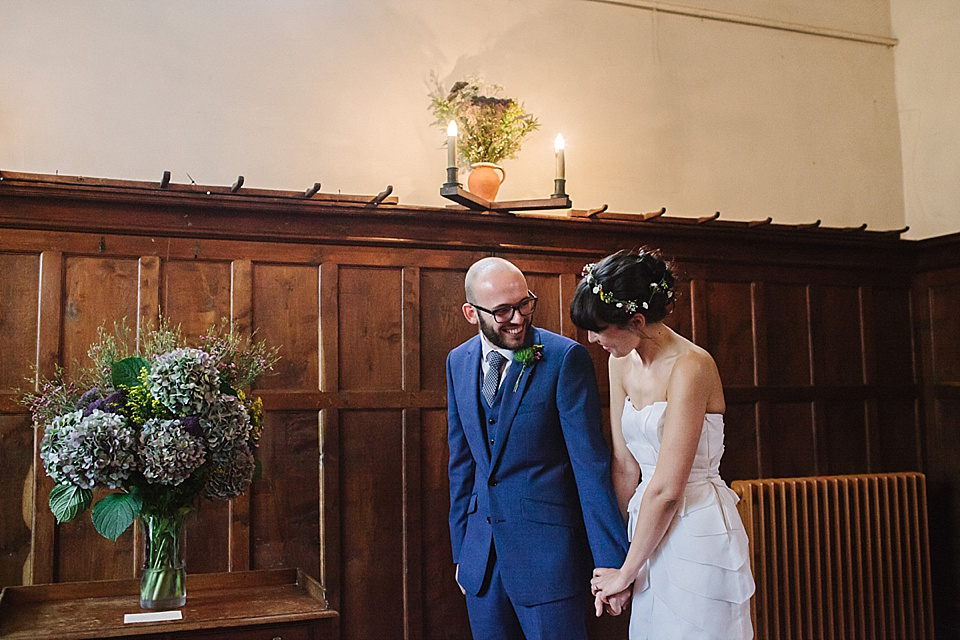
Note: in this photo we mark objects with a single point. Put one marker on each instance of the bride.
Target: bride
(688, 559)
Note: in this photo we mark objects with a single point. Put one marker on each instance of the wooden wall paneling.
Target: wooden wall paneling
(285, 501)
(19, 290)
(944, 507)
(412, 530)
(741, 460)
(330, 505)
(568, 285)
(196, 294)
(442, 325)
(371, 518)
(938, 330)
(370, 329)
(328, 359)
(699, 322)
(16, 497)
(546, 286)
(411, 448)
(895, 439)
(148, 292)
(444, 607)
(841, 437)
(681, 316)
(787, 446)
(838, 336)
(18, 322)
(285, 312)
(758, 327)
(239, 545)
(410, 320)
(730, 333)
(98, 290)
(787, 330)
(49, 325)
(945, 333)
(893, 345)
(328, 310)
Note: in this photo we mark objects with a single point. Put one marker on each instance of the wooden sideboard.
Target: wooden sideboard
(277, 604)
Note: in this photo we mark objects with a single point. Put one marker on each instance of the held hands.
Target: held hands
(611, 591)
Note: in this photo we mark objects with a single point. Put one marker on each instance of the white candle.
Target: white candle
(561, 161)
(452, 144)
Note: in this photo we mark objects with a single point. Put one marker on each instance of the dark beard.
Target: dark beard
(491, 331)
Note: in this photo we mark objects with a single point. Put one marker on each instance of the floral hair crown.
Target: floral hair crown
(630, 306)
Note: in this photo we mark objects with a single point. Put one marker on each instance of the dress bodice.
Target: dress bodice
(643, 432)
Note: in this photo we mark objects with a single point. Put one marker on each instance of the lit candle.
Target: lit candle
(452, 144)
(561, 163)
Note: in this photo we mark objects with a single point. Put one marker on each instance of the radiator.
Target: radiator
(839, 557)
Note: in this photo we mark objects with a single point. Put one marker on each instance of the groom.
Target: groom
(532, 510)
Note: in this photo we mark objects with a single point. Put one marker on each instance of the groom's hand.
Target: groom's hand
(617, 603)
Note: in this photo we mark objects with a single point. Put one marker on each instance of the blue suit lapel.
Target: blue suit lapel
(467, 380)
(510, 401)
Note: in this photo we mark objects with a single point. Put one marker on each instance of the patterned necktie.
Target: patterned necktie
(492, 378)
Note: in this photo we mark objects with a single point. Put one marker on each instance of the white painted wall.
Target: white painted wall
(659, 109)
(928, 87)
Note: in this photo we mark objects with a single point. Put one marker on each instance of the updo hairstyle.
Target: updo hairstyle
(620, 285)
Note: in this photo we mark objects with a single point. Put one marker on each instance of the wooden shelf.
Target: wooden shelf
(242, 602)
(475, 203)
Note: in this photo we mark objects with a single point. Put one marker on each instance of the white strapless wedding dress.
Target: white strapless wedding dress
(697, 584)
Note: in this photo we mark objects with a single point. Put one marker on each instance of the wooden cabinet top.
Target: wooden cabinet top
(74, 610)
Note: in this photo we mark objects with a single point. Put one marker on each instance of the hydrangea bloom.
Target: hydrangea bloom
(168, 451)
(96, 450)
(184, 380)
(231, 472)
(227, 423)
(51, 446)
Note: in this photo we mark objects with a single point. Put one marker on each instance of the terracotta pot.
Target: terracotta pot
(484, 181)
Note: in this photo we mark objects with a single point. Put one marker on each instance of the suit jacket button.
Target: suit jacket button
(493, 483)
(491, 440)
(488, 519)
(492, 421)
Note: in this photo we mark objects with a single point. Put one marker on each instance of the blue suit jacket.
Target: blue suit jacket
(542, 492)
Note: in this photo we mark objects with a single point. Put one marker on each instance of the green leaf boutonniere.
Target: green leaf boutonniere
(526, 356)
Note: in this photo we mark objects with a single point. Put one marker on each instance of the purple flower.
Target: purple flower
(113, 403)
(191, 424)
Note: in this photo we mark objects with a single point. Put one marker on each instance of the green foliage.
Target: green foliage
(67, 501)
(491, 128)
(126, 372)
(115, 512)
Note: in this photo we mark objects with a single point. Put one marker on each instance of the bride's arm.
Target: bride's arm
(625, 472)
(692, 379)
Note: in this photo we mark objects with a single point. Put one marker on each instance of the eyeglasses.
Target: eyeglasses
(504, 313)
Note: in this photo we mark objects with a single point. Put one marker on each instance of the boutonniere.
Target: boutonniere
(526, 356)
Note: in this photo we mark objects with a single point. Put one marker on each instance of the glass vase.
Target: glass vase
(163, 582)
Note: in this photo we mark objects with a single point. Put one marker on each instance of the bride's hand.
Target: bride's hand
(608, 582)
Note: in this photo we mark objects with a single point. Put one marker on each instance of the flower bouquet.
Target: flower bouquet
(491, 128)
(160, 422)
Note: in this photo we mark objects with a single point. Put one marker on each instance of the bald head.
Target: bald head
(488, 272)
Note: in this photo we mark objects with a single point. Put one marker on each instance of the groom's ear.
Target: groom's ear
(470, 313)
